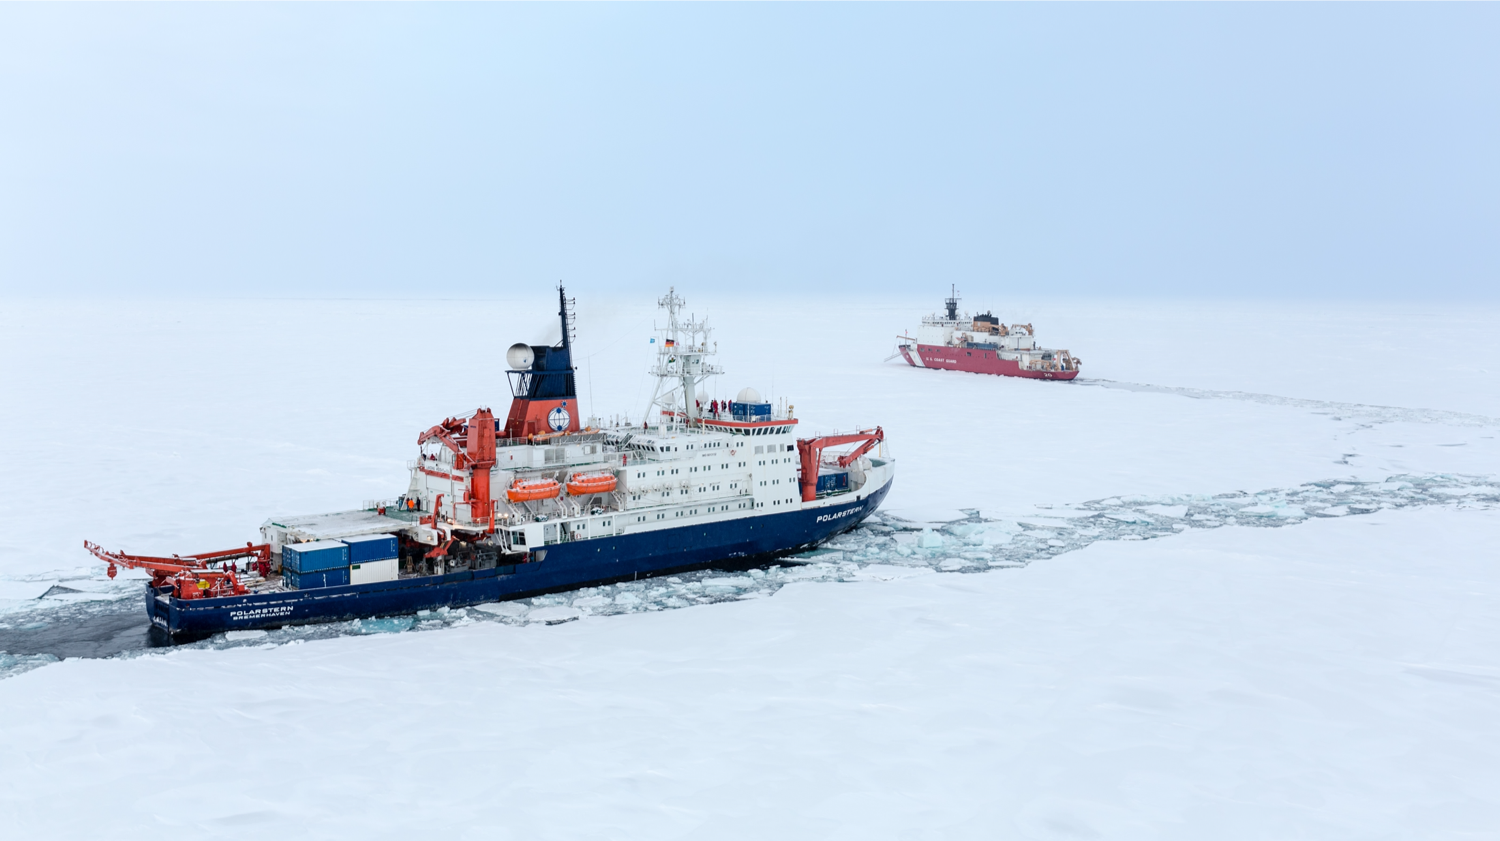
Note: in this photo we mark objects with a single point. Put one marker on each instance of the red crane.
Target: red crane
(191, 575)
(811, 451)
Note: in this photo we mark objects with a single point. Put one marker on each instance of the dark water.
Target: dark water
(89, 629)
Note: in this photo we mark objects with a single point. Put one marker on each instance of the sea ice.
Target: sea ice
(553, 615)
(1174, 511)
(24, 590)
(888, 572)
(1221, 674)
(512, 609)
(385, 625)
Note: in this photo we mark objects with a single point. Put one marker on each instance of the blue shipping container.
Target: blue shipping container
(372, 547)
(832, 482)
(314, 557)
(750, 412)
(310, 580)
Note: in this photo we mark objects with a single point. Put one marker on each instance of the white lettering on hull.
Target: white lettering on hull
(271, 612)
(839, 516)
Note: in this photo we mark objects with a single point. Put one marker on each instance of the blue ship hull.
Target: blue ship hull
(566, 566)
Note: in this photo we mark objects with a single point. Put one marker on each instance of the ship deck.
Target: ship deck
(341, 524)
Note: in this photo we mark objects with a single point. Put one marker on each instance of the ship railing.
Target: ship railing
(858, 430)
(580, 437)
(878, 452)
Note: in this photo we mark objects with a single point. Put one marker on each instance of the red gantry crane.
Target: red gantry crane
(811, 451)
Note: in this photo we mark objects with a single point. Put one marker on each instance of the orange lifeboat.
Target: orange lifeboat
(526, 490)
(583, 484)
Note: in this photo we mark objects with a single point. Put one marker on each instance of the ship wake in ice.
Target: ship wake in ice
(88, 615)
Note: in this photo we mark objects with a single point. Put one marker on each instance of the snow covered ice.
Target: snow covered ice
(1211, 597)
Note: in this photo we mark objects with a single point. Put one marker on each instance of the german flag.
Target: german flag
(671, 343)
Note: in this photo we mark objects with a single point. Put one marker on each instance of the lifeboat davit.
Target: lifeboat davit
(527, 490)
(583, 484)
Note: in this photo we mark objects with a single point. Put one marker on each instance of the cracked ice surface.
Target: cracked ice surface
(885, 548)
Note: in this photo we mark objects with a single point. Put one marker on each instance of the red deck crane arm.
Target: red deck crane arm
(811, 451)
(261, 551)
(446, 433)
(159, 565)
(190, 573)
(849, 458)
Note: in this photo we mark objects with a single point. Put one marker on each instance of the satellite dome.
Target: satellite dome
(748, 395)
(520, 356)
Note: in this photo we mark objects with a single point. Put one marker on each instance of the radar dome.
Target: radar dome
(520, 356)
(748, 395)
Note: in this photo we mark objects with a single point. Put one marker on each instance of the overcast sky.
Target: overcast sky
(1345, 151)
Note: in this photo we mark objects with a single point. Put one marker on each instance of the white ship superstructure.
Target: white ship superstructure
(687, 464)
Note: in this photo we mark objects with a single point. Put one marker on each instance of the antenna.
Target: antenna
(952, 304)
(680, 364)
(567, 310)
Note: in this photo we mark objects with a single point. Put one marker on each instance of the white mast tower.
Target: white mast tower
(680, 364)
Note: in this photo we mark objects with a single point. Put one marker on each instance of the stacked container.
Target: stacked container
(372, 558)
(832, 481)
(322, 563)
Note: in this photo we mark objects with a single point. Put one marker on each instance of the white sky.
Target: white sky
(1341, 152)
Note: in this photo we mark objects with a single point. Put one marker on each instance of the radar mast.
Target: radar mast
(680, 362)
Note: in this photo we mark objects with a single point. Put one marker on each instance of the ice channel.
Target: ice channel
(883, 547)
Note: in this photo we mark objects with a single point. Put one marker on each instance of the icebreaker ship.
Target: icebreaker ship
(537, 502)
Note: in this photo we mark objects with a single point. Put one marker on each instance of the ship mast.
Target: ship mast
(680, 364)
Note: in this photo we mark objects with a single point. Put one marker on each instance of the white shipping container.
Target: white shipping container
(372, 571)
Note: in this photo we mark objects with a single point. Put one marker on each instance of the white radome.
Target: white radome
(520, 356)
(748, 395)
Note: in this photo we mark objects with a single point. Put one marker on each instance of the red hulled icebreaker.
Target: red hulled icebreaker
(538, 502)
(982, 345)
